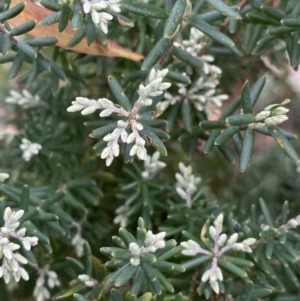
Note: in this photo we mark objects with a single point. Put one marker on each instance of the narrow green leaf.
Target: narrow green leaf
(226, 152)
(226, 134)
(53, 199)
(12, 12)
(51, 5)
(246, 99)
(269, 248)
(77, 16)
(160, 133)
(64, 17)
(157, 143)
(41, 42)
(247, 291)
(233, 268)
(87, 258)
(178, 77)
(256, 18)
(164, 282)
(146, 10)
(5, 44)
(284, 143)
(17, 64)
(212, 125)
(272, 12)
(293, 23)
(256, 90)
(24, 28)
(284, 212)
(137, 282)
(188, 58)
(211, 32)
(238, 261)
(125, 275)
(224, 9)
(156, 53)
(173, 22)
(126, 236)
(26, 49)
(69, 291)
(209, 145)
(119, 94)
(260, 293)
(78, 297)
(248, 142)
(121, 253)
(25, 196)
(239, 120)
(51, 19)
(102, 131)
(237, 142)
(265, 212)
(186, 115)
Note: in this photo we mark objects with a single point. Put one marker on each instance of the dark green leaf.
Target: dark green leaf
(156, 53)
(119, 94)
(12, 12)
(211, 32)
(174, 18)
(64, 17)
(248, 142)
(224, 9)
(146, 10)
(24, 28)
(187, 58)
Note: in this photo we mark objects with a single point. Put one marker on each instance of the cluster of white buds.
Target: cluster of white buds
(203, 95)
(41, 292)
(186, 183)
(3, 176)
(88, 280)
(152, 164)
(29, 149)
(77, 240)
(271, 115)
(10, 260)
(220, 245)
(121, 217)
(194, 45)
(87, 106)
(291, 224)
(23, 98)
(152, 243)
(101, 19)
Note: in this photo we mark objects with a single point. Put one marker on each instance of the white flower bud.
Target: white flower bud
(221, 240)
(292, 223)
(215, 286)
(275, 120)
(262, 115)
(206, 276)
(213, 232)
(232, 239)
(219, 223)
(135, 261)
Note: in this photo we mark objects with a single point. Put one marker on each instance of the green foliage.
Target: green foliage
(182, 89)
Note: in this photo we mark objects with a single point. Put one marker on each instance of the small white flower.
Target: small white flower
(3, 177)
(88, 281)
(191, 248)
(29, 149)
(23, 98)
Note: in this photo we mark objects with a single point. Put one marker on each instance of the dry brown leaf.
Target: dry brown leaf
(33, 11)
